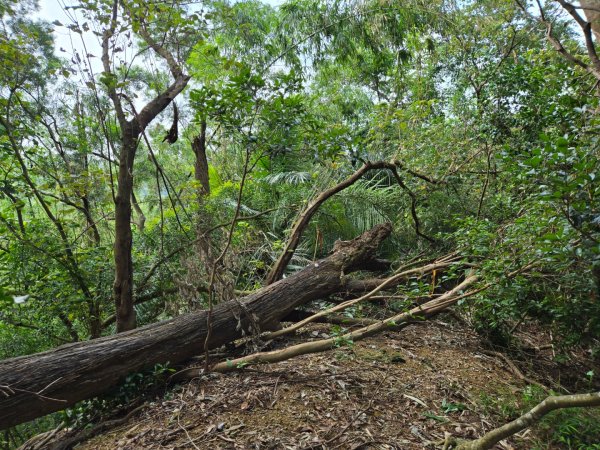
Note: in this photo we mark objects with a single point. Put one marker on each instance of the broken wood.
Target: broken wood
(401, 275)
(303, 220)
(420, 312)
(36, 385)
(292, 243)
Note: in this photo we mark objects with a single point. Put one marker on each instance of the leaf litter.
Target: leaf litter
(396, 390)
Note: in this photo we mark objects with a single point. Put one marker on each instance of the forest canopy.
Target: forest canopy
(178, 155)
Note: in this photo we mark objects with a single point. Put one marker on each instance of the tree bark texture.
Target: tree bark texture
(35, 385)
(222, 286)
(201, 161)
(123, 285)
(203, 191)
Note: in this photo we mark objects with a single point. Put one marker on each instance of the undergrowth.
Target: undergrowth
(133, 389)
(569, 429)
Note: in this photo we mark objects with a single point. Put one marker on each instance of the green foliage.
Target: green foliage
(435, 417)
(450, 407)
(135, 387)
(496, 137)
(571, 428)
(577, 429)
(464, 94)
(340, 337)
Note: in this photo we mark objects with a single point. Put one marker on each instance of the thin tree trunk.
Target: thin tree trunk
(123, 285)
(201, 161)
(140, 221)
(205, 254)
(203, 191)
(131, 130)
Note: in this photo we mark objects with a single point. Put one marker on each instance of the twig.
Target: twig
(190, 440)
(8, 390)
(514, 369)
(361, 412)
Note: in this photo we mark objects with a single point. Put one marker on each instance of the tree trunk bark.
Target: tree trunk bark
(35, 385)
(123, 285)
(201, 162)
(202, 192)
(223, 284)
(140, 220)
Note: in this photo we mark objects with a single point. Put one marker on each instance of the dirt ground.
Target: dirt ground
(397, 390)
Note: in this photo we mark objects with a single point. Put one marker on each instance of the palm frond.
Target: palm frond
(288, 178)
(368, 202)
(231, 203)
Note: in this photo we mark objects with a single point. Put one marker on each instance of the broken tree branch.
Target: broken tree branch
(550, 404)
(423, 311)
(302, 222)
(292, 242)
(387, 282)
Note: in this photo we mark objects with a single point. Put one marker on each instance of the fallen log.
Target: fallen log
(36, 385)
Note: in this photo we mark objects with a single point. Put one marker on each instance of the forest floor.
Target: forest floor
(397, 390)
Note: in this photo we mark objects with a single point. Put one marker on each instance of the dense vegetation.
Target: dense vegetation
(159, 165)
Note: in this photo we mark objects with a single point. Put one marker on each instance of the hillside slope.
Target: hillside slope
(397, 390)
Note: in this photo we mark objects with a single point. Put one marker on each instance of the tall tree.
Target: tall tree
(131, 129)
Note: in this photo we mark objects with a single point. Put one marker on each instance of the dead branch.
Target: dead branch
(421, 312)
(302, 222)
(514, 369)
(550, 404)
(413, 204)
(335, 319)
(292, 242)
(389, 281)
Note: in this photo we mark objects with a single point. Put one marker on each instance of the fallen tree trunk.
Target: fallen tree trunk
(36, 385)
